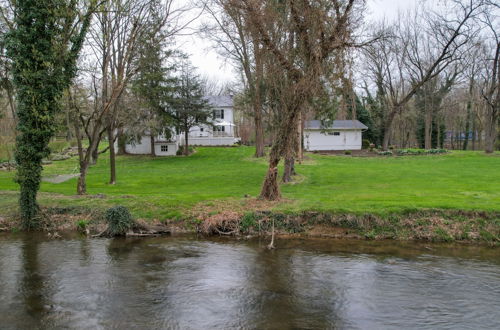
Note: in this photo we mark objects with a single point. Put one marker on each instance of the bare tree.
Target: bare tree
(300, 37)
(419, 49)
(121, 26)
(491, 92)
(236, 41)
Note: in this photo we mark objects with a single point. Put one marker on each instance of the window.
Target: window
(218, 114)
(334, 133)
(164, 148)
(201, 129)
(219, 128)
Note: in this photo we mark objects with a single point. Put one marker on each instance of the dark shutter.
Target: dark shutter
(222, 114)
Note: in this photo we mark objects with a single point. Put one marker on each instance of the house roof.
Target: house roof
(220, 100)
(337, 124)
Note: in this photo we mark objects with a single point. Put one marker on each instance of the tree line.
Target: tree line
(110, 70)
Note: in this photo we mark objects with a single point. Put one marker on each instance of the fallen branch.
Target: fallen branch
(271, 245)
(101, 234)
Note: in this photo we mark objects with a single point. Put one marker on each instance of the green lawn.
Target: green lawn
(165, 187)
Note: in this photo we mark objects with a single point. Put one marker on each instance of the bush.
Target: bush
(365, 144)
(385, 153)
(411, 152)
(372, 146)
(119, 220)
(180, 151)
(347, 152)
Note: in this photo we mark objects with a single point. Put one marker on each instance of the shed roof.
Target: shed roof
(220, 100)
(337, 124)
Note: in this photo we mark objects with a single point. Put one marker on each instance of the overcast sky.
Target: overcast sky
(210, 64)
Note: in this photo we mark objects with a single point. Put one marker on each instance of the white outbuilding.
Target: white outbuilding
(341, 135)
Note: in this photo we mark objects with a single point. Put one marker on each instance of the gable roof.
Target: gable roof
(337, 124)
(220, 100)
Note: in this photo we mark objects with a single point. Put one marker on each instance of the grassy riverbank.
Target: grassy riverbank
(215, 181)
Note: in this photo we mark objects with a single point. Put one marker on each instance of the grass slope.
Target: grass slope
(168, 187)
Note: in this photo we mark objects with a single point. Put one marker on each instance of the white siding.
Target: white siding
(210, 141)
(196, 131)
(171, 148)
(143, 147)
(346, 140)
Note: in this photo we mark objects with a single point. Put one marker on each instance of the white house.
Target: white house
(220, 133)
(342, 135)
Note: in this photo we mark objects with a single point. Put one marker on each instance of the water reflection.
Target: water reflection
(33, 286)
(201, 284)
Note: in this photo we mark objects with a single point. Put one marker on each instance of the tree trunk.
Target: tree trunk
(95, 153)
(121, 142)
(491, 135)
(257, 102)
(439, 145)
(289, 170)
(473, 133)
(259, 131)
(152, 142)
(186, 143)
(428, 129)
(112, 158)
(300, 140)
(469, 115)
(81, 187)
(270, 188)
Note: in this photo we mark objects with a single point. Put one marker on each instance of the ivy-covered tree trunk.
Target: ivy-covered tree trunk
(43, 47)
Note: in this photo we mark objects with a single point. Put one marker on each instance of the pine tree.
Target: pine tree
(188, 107)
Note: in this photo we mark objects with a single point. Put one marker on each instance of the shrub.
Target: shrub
(385, 153)
(372, 146)
(365, 144)
(248, 221)
(81, 224)
(119, 220)
(347, 152)
(406, 152)
(180, 151)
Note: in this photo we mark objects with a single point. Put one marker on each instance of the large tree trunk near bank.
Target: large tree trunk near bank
(284, 146)
(270, 188)
(112, 157)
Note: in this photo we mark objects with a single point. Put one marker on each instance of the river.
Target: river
(194, 283)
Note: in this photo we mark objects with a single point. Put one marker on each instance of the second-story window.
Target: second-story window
(218, 114)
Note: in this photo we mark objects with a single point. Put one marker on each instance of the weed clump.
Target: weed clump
(119, 221)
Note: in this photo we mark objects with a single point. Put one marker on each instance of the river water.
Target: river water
(191, 283)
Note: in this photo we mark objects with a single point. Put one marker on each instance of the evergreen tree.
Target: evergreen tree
(43, 47)
(188, 107)
(154, 86)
